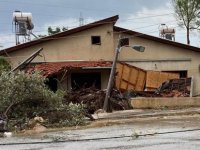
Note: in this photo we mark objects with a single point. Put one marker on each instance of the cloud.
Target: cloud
(7, 40)
(148, 21)
(68, 23)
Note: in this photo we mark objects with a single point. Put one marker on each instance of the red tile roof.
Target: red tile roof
(52, 68)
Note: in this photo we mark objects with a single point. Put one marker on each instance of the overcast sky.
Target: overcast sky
(140, 15)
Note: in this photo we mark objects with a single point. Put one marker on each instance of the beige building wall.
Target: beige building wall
(75, 47)
(163, 57)
(78, 47)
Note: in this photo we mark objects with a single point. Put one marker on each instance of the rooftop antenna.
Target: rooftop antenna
(81, 20)
(22, 21)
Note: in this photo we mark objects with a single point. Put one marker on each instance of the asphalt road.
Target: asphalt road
(141, 134)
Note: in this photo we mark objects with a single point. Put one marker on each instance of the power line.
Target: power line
(97, 139)
(109, 23)
(70, 7)
(136, 18)
(88, 35)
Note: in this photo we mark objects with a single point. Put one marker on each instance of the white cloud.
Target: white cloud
(7, 40)
(69, 23)
(148, 21)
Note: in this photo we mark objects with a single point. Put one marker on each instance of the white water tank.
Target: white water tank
(167, 31)
(23, 17)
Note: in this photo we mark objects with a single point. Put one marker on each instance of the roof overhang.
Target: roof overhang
(111, 20)
(157, 39)
(54, 68)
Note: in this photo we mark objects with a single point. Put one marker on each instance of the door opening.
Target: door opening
(85, 80)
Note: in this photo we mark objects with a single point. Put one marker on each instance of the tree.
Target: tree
(57, 30)
(187, 13)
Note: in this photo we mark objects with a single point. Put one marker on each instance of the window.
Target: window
(124, 41)
(96, 40)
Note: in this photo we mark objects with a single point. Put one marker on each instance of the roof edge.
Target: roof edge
(109, 20)
(154, 38)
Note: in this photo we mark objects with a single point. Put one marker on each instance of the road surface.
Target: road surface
(162, 133)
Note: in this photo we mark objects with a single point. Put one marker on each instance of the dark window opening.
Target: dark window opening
(85, 80)
(96, 40)
(124, 42)
(182, 74)
(52, 83)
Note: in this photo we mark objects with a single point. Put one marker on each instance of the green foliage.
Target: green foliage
(77, 114)
(21, 87)
(67, 115)
(187, 13)
(56, 30)
(24, 96)
(52, 31)
(4, 64)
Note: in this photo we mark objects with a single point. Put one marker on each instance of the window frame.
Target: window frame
(94, 41)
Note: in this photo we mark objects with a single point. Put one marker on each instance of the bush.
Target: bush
(67, 115)
(4, 64)
(24, 96)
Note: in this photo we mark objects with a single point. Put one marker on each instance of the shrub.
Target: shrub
(24, 96)
(67, 115)
(4, 64)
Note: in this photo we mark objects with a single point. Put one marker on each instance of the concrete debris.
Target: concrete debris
(3, 125)
(38, 128)
(33, 122)
(170, 88)
(93, 99)
(175, 88)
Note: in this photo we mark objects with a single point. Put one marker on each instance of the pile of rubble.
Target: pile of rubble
(175, 88)
(93, 99)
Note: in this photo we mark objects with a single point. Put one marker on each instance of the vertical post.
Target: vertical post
(191, 87)
(111, 78)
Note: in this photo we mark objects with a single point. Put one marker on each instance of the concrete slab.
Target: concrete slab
(145, 113)
(152, 103)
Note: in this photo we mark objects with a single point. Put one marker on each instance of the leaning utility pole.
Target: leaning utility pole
(106, 105)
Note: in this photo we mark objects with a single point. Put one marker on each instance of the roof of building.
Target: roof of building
(52, 68)
(110, 20)
(157, 39)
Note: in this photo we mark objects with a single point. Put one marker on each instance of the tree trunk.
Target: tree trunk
(188, 36)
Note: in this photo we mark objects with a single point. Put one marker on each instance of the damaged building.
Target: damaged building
(82, 57)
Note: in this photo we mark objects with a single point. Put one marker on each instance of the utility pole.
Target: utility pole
(106, 105)
(139, 48)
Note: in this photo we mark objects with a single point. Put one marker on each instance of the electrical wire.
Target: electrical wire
(107, 23)
(98, 139)
(70, 7)
(119, 21)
